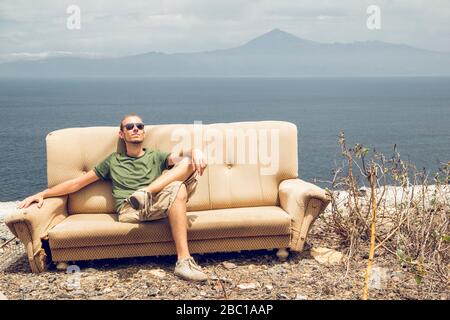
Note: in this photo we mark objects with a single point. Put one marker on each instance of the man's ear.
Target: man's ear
(120, 133)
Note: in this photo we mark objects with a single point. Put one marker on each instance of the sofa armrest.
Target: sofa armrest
(303, 201)
(31, 224)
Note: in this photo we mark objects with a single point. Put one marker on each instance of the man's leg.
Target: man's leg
(186, 267)
(180, 172)
(178, 223)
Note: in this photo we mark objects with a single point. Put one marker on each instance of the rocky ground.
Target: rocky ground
(245, 275)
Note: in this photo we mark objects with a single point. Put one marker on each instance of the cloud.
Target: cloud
(50, 54)
(113, 27)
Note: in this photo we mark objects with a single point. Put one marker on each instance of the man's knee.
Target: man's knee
(186, 164)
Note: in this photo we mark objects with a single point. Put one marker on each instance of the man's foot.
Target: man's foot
(189, 270)
(140, 199)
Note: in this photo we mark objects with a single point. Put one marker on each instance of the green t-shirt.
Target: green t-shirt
(129, 174)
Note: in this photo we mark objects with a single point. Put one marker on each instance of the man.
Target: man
(147, 185)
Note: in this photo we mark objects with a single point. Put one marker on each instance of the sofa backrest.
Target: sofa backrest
(246, 161)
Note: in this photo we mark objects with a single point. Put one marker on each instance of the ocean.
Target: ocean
(411, 112)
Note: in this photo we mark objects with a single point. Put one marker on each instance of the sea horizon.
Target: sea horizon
(411, 112)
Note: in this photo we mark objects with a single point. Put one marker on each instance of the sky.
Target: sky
(36, 29)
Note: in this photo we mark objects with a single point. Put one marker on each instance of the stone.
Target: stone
(2, 296)
(152, 292)
(79, 292)
(63, 296)
(397, 276)
(158, 273)
(277, 270)
(229, 265)
(326, 256)
(98, 298)
(69, 287)
(223, 279)
(299, 296)
(282, 296)
(247, 286)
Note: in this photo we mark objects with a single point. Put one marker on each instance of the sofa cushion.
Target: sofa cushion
(85, 230)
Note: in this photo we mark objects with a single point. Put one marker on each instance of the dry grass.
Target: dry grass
(410, 207)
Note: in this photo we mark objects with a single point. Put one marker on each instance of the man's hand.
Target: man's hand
(198, 161)
(38, 197)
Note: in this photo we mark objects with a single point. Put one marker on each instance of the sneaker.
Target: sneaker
(140, 199)
(189, 270)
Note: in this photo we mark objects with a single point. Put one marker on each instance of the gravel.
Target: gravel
(5, 208)
(244, 275)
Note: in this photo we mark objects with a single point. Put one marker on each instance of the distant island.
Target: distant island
(273, 54)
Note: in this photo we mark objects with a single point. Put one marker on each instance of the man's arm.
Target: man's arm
(63, 188)
(196, 155)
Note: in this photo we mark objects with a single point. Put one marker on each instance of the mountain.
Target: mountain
(276, 42)
(276, 53)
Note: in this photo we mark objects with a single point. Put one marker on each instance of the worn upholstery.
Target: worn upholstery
(235, 206)
(84, 230)
(168, 248)
(32, 224)
(303, 201)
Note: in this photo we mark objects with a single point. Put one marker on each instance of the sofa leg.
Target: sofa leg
(282, 254)
(62, 266)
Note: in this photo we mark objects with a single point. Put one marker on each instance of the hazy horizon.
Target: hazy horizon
(84, 55)
(113, 28)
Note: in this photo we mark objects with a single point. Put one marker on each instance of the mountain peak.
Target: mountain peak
(277, 40)
(276, 30)
(278, 34)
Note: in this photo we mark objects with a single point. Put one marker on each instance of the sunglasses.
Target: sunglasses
(130, 126)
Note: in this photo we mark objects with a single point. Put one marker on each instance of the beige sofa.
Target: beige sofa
(235, 206)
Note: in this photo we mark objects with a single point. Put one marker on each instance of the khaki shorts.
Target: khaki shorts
(161, 201)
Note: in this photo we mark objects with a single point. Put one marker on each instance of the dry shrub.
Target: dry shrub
(412, 211)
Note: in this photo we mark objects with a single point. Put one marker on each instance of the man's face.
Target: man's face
(134, 135)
